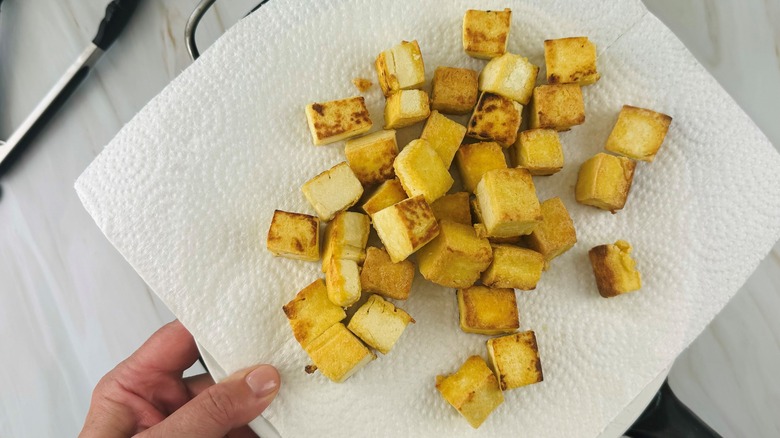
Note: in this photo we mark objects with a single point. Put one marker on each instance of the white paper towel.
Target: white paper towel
(187, 189)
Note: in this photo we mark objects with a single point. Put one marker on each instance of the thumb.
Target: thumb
(223, 407)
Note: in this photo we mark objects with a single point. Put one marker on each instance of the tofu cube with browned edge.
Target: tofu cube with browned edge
(485, 33)
(454, 90)
(346, 237)
(379, 323)
(482, 232)
(474, 159)
(405, 108)
(496, 118)
(444, 136)
(515, 359)
(514, 267)
(508, 203)
(604, 181)
(557, 107)
(571, 61)
(555, 234)
(638, 133)
(488, 311)
(473, 390)
(311, 312)
(387, 194)
(343, 282)
(336, 120)
(332, 191)
(338, 353)
(456, 257)
(405, 227)
(371, 157)
(615, 269)
(511, 76)
(539, 151)
(381, 276)
(454, 207)
(422, 172)
(294, 235)
(400, 68)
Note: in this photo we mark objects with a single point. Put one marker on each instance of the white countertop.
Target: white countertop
(71, 307)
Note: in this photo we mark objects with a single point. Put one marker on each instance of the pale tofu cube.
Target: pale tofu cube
(343, 282)
(511, 76)
(485, 33)
(615, 269)
(332, 191)
(473, 390)
(555, 234)
(557, 107)
(379, 323)
(444, 136)
(508, 202)
(474, 159)
(488, 311)
(311, 312)
(400, 68)
(539, 151)
(515, 359)
(604, 181)
(381, 276)
(495, 118)
(371, 157)
(456, 257)
(405, 108)
(571, 61)
(387, 194)
(454, 207)
(406, 227)
(294, 235)
(346, 237)
(338, 354)
(336, 120)
(422, 172)
(514, 267)
(454, 90)
(638, 133)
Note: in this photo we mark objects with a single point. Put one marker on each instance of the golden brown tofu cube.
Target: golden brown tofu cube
(514, 267)
(473, 390)
(336, 120)
(332, 191)
(456, 257)
(496, 118)
(485, 33)
(604, 181)
(557, 107)
(371, 157)
(311, 312)
(422, 172)
(343, 282)
(444, 136)
(481, 231)
(454, 207)
(515, 359)
(539, 151)
(488, 311)
(473, 160)
(294, 235)
(571, 61)
(638, 133)
(511, 76)
(454, 90)
(379, 323)
(346, 237)
(381, 276)
(615, 269)
(405, 108)
(387, 194)
(406, 227)
(400, 68)
(555, 234)
(508, 202)
(338, 354)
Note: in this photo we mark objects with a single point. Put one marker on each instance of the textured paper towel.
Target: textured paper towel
(187, 189)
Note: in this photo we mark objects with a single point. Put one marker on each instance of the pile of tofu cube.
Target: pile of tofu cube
(486, 240)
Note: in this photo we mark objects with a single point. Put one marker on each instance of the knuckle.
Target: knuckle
(219, 406)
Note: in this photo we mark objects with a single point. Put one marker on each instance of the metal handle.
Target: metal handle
(194, 20)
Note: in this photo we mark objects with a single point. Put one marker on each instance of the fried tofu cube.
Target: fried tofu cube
(379, 323)
(454, 207)
(371, 157)
(400, 68)
(571, 61)
(338, 354)
(405, 227)
(615, 269)
(381, 276)
(511, 76)
(332, 191)
(481, 231)
(473, 160)
(456, 257)
(444, 136)
(515, 359)
(488, 311)
(496, 118)
(387, 194)
(405, 108)
(454, 90)
(343, 282)
(604, 181)
(485, 33)
(422, 172)
(311, 312)
(346, 237)
(638, 133)
(336, 120)
(555, 234)
(473, 390)
(539, 151)
(557, 107)
(508, 202)
(294, 235)
(514, 267)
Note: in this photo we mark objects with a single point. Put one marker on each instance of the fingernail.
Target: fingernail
(263, 380)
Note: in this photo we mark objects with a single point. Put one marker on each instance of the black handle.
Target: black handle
(118, 13)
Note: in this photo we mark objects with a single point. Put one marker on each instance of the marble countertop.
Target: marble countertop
(71, 307)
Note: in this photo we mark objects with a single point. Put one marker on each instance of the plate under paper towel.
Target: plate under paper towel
(187, 189)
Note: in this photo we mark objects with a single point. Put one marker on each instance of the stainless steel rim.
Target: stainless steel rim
(192, 24)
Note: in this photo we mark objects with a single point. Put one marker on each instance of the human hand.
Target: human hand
(146, 394)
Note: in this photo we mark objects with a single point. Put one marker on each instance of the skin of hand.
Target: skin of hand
(146, 396)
